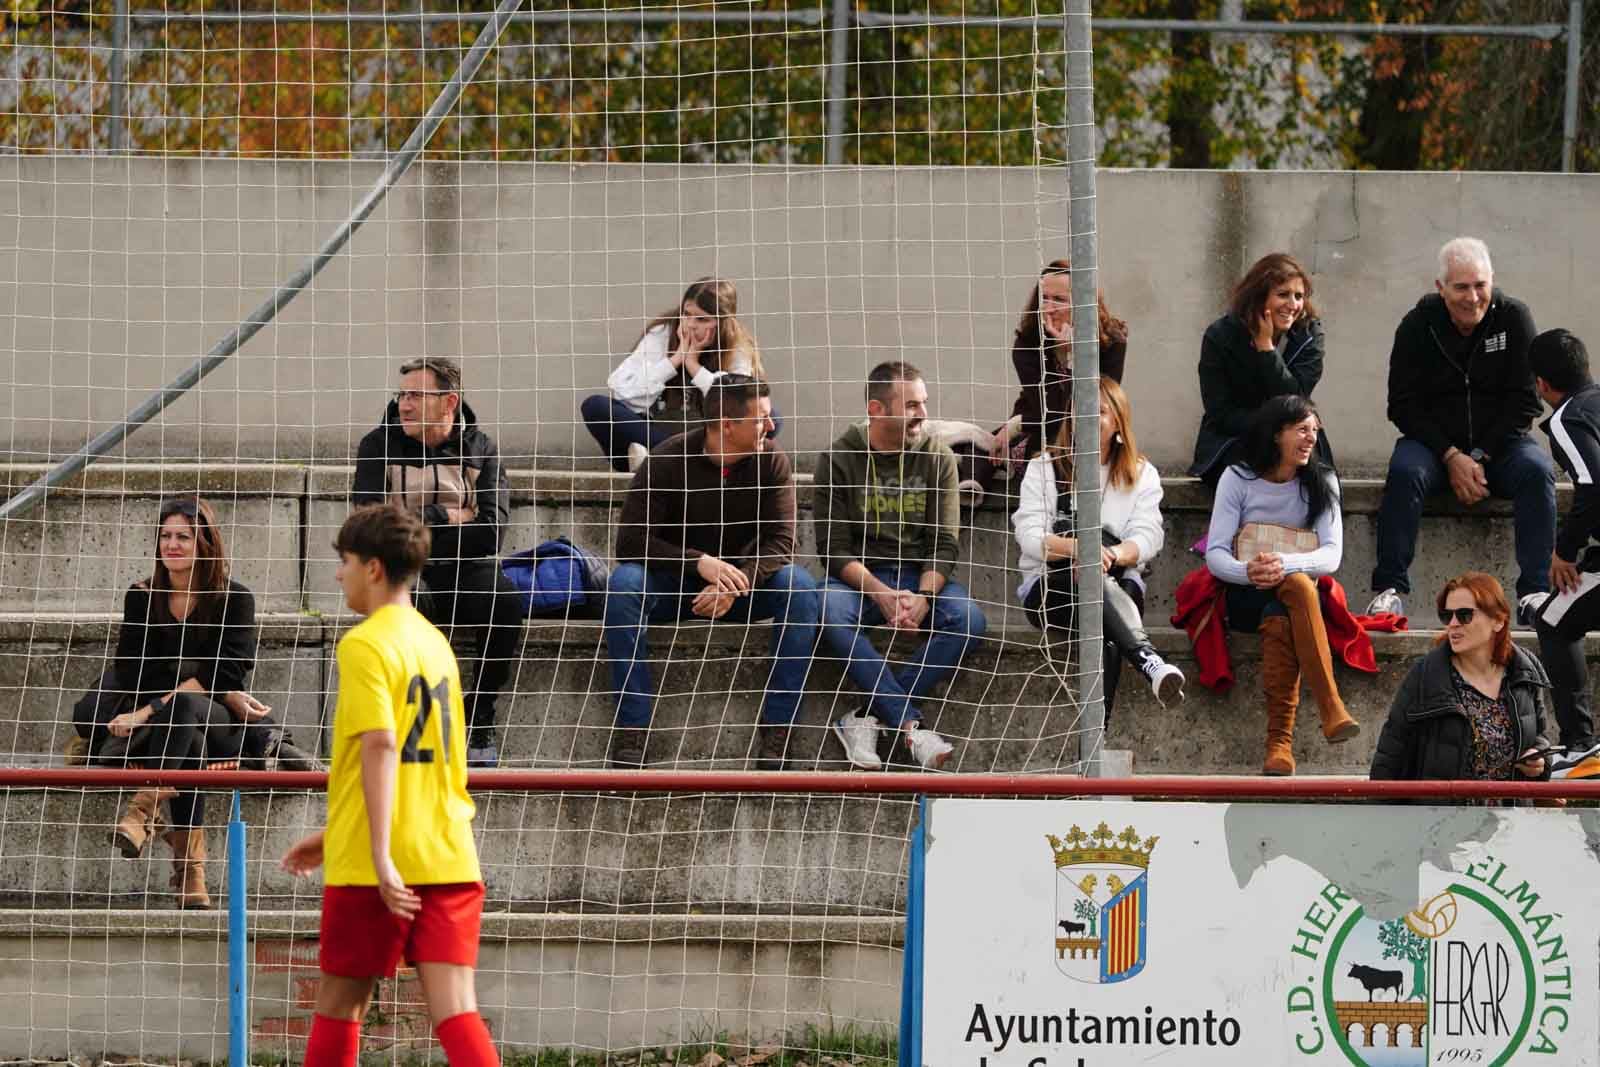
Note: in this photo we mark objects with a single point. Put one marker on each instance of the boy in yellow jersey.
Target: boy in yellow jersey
(402, 870)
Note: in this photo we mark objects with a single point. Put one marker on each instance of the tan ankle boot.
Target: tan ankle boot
(139, 821)
(189, 867)
(1280, 679)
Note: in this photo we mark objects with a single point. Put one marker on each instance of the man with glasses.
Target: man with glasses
(430, 456)
(707, 531)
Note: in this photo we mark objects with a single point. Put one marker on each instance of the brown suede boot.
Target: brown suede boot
(1298, 593)
(1280, 679)
(139, 821)
(189, 867)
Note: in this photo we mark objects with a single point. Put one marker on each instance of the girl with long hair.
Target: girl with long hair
(657, 390)
(1268, 343)
(175, 695)
(1276, 529)
(1130, 512)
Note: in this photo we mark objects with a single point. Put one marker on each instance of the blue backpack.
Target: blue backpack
(557, 578)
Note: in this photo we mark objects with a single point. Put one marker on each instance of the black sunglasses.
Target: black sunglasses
(1461, 615)
(185, 506)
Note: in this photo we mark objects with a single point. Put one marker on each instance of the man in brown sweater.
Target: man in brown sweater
(707, 531)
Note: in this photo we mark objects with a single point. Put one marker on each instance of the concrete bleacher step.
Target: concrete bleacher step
(151, 986)
(618, 852)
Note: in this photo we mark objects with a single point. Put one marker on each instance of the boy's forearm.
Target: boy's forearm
(380, 762)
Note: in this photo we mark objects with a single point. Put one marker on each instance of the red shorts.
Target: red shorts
(361, 938)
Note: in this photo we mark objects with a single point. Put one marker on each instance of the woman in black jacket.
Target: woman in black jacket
(1474, 707)
(1269, 343)
(1041, 351)
(175, 695)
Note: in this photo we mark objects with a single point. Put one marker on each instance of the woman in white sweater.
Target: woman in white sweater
(1130, 515)
(1286, 492)
(656, 391)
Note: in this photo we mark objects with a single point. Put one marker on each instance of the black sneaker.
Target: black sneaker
(482, 752)
(772, 747)
(1528, 609)
(627, 747)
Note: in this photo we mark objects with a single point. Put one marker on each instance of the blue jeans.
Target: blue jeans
(954, 619)
(1523, 474)
(616, 426)
(636, 596)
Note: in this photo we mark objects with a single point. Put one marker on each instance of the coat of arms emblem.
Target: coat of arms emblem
(1102, 903)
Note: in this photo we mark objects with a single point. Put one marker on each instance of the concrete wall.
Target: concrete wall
(121, 271)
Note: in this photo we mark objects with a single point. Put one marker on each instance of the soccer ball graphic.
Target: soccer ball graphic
(1433, 918)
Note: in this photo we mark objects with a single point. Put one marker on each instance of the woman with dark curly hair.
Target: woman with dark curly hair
(1269, 343)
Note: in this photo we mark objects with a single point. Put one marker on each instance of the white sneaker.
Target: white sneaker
(1528, 609)
(636, 456)
(1387, 602)
(1576, 763)
(928, 748)
(1166, 682)
(859, 736)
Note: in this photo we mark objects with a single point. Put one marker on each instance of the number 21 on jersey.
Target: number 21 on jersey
(426, 700)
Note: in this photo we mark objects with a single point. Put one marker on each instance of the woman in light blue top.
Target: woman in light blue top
(1283, 483)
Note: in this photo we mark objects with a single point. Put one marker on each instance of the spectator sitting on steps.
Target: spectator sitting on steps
(174, 697)
(1283, 492)
(1268, 343)
(707, 530)
(887, 510)
(658, 391)
(1560, 365)
(1462, 396)
(430, 457)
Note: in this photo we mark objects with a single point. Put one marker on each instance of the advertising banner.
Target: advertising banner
(1061, 933)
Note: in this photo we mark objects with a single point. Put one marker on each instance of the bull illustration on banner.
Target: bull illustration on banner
(1102, 903)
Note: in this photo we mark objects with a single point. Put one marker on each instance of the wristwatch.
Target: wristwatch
(1479, 456)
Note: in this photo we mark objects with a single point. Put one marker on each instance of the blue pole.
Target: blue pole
(912, 977)
(238, 938)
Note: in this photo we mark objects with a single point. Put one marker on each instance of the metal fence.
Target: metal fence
(842, 19)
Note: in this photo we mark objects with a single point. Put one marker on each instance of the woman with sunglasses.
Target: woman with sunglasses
(175, 696)
(1130, 511)
(1473, 707)
(1282, 496)
(657, 390)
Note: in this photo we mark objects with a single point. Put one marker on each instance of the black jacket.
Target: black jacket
(464, 471)
(1574, 431)
(1427, 736)
(1472, 392)
(1046, 377)
(1236, 378)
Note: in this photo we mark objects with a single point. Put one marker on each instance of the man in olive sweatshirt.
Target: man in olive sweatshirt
(887, 513)
(707, 531)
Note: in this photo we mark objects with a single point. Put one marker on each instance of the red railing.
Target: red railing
(664, 781)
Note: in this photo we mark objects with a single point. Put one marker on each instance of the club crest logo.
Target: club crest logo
(1476, 973)
(1102, 903)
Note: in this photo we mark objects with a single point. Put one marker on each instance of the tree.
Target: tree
(1085, 910)
(1400, 942)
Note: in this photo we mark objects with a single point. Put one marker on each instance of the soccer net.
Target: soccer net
(876, 186)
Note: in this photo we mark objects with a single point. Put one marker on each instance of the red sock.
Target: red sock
(466, 1041)
(333, 1042)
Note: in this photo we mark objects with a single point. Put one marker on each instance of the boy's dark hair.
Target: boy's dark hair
(446, 372)
(732, 395)
(1561, 360)
(390, 534)
(885, 376)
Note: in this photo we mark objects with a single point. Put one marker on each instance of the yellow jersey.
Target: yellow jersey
(398, 673)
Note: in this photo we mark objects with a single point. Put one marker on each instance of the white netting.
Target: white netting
(598, 163)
